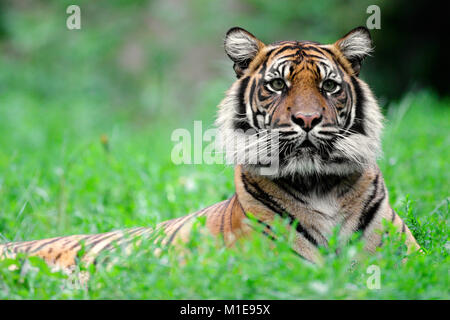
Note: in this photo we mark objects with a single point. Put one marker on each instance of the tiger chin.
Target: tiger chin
(323, 124)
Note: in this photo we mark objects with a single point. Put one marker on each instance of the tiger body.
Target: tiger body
(62, 252)
(327, 124)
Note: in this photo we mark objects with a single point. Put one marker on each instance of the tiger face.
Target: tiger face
(309, 96)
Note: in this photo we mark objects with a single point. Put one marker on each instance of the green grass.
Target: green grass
(58, 178)
(135, 77)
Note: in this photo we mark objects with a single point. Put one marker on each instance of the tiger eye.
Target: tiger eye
(277, 84)
(329, 85)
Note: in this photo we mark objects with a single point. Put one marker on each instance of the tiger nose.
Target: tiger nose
(307, 121)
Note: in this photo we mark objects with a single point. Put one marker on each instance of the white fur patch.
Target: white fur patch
(241, 46)
(356, 45)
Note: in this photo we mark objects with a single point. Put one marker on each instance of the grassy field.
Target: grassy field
(69, 170)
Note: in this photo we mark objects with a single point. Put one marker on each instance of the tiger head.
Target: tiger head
(309, 96)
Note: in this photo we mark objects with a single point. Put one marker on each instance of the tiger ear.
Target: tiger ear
(242, 47)
(355, 46)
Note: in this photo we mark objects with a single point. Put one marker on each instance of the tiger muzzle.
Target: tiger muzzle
(307, 121)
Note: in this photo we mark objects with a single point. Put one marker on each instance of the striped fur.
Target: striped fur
(226, 217)
(329, 126)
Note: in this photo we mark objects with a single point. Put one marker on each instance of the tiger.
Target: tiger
(308, 98)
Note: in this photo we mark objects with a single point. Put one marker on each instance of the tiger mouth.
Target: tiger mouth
(308, 149)
(307, 144)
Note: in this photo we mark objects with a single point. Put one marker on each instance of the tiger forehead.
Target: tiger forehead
(304, 50)
(298, 55)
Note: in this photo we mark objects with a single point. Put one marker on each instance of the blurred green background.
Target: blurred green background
(145, 59)
(86, 118)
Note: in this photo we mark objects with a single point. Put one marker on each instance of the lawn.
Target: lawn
(69, 168)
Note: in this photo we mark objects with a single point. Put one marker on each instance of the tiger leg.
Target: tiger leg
(375, 233)
(403, 228)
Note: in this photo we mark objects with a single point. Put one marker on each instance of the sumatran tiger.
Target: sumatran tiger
(328, 126)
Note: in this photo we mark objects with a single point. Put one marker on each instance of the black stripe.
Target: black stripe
(182, 223)
(246, 215)
(349, 111)
(307, 55)
(241, 117)
(46, 243)
(255, 119)
(267, 200)
(359, 104)
(264, 64)
(281, 183)
(252, 92)
(77, 243)
(133, 230)
(259, 221)
(174, 233)
(130, 233)
(368, 213)
(268, 227)
(19, 247)
(299, 255)
(381, 240)
(262, 98)
(283, 187)
(265, 233)
(329, 51)
(222, 222)
(290, 56)
(374, 191)
(94, 243)
(290, 47)
(317, 49)
(269, 235)
(126, 238)
(93, 237)
(231, 215)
